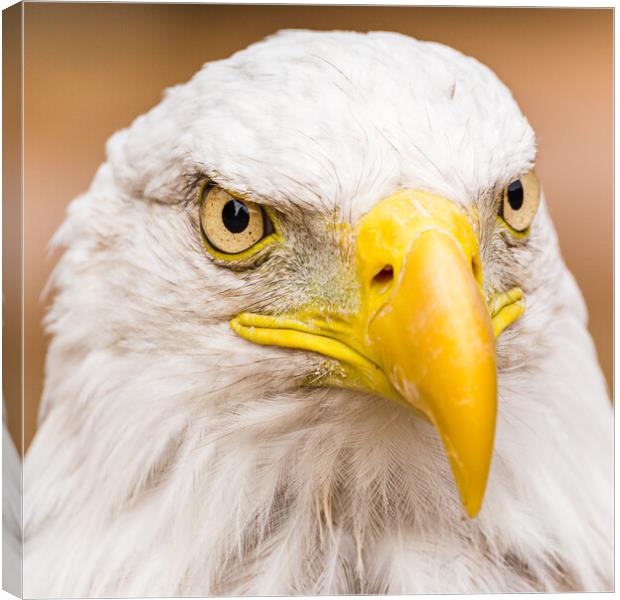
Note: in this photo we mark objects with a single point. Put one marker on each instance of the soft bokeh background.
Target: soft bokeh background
(90, 69)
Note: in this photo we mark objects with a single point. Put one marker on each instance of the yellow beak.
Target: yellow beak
(429, 326)
(424, 335)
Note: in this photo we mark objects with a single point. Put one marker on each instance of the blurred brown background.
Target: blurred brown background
(90, 69)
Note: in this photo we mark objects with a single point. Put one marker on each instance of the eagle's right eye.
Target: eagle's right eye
(232, 226)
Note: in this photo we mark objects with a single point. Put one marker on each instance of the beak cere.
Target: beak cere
(424, 334)
(428, 326)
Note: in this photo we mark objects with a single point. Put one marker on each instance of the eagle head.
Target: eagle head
(311, 300)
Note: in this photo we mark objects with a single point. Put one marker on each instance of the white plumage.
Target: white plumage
(175, 458)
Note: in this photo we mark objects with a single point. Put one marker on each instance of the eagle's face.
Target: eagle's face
(349, 212)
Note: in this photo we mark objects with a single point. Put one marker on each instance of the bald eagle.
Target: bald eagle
(312, 333)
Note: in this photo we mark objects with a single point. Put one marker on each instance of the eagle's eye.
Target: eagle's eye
(230, 225)
(519, 202)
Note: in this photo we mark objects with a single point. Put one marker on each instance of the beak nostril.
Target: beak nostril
(384, 277)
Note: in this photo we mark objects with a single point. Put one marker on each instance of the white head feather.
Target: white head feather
(176, 458)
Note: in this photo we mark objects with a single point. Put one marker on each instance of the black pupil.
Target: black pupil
(235, 216)
(515, 195)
